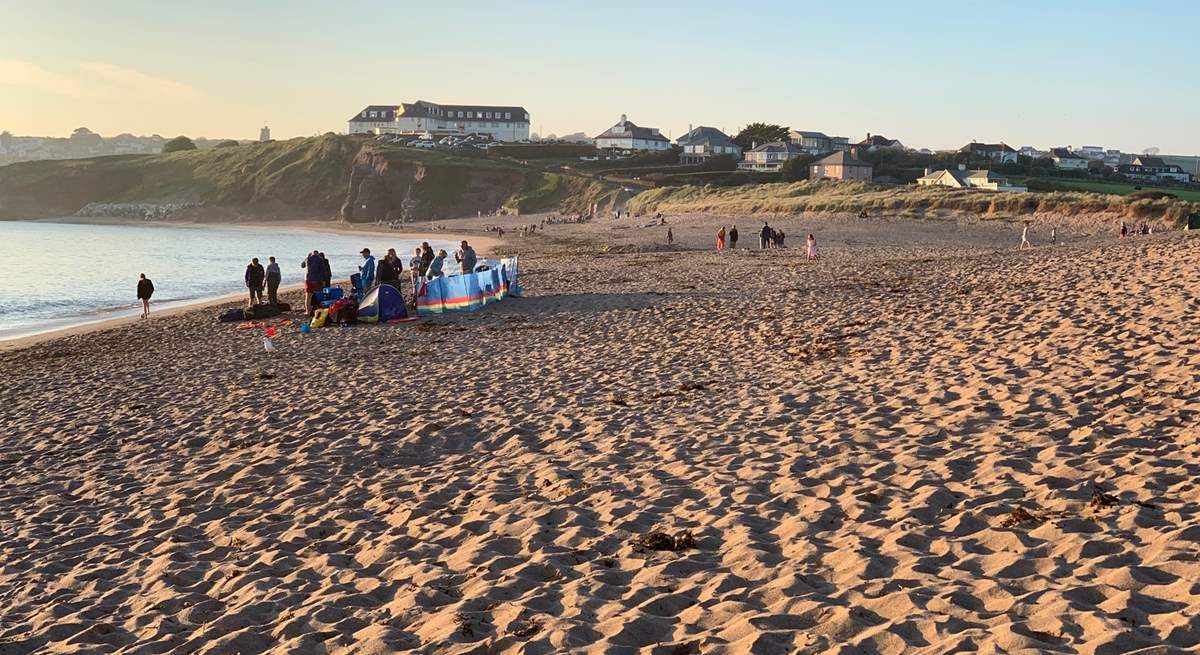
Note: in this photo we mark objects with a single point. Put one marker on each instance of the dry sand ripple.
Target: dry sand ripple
(913, 448)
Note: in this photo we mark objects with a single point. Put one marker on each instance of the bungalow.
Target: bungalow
(1067, 160)
(1153, 169)
(875, 142)
(627, 136)
(817, 143)
(840, 166)
(702, 143)
(964, 179)
(999, 152)
(770, 157)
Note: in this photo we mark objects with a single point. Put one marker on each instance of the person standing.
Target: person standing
(764, 236)
(273, 279)
(810, 247)
(414, 271)
(145, 289)
(314, 280)
(466, 257)
(721, 239)
(435, 266)
(1025, 236)
(388, 270)
(254, 280)
(326, 272)
(670, 237)
(1053, 236)
(426, 258)
(733, 236)
(1124, 230)
(779, 236)
(366, 272)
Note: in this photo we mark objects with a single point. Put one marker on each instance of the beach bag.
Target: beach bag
(344, 311)
(234, 315)
(261, 311)
(319, 318)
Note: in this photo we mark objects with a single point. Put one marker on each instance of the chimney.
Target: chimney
(623, 118)
(928, 171)
(753, 145)
(689, 128)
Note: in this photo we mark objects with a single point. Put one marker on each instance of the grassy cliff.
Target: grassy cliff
(317, 177)
(906, 200)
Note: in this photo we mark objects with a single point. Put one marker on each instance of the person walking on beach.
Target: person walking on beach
(366, 272)
(670, 237)
(721, 239)
(255, 275)
(810, 246)
(1025, 237)
(764, 236)
(466, 257)
(388, 269)
(733, 237)
(273, 279)
(145, 289)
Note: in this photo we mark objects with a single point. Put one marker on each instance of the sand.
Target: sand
(926, 441)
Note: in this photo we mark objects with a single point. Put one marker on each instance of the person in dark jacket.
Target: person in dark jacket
(326, 272)
(733, 237)
(466, 257)
(255, 275)
(274, 277)
(314, 279)
(426, 258)
(145, 290)
(388, 270)
(764, 236)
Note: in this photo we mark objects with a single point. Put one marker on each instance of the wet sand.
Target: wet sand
(925, 441)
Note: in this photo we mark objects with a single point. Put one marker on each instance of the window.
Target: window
(488, 115)
(460, 114)
(373, 114)
(507, 115)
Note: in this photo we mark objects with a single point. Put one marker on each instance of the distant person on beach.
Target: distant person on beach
(779, 236)
(145, 289)
(314, 279)
(274, 277)
(764, 236)
(366, 272)
(435, 266)
(326, 272)
(255, 276)
(466, 257)
(733, 237)
(426, 258)
(810, 246)
(1025, 237)
(1053, 235)
(721, 239)
(670, 237)
(1124, 230)
(389, 268)
(414, 270)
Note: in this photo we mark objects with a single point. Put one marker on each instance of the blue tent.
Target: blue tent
(381, 304)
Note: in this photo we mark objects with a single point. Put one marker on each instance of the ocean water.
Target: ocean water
(56, 275)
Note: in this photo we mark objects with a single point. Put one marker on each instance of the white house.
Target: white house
(701, 143)
(1067, 160)
(770, 157)
(421, 117)
(627, 136)
(964, 179)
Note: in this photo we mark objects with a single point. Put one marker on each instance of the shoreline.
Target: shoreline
(484, 245)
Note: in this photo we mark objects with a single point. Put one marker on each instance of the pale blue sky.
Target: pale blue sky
(937, 75)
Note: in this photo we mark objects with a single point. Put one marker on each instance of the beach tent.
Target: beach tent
(381, 304)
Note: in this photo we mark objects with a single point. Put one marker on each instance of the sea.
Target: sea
(60, 275)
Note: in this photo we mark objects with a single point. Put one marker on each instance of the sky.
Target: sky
(1043, 73)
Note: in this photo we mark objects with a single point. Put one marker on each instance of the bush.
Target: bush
(796, 170)
(178, 144)
(228, 143)
(720, 163)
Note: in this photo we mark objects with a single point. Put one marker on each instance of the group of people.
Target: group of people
(1142, 228)
(257, 275)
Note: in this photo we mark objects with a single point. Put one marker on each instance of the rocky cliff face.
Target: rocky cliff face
(385, 189)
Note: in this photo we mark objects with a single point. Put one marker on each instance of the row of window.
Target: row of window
(507, 115)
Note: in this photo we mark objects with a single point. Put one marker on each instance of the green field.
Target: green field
(1115, 188)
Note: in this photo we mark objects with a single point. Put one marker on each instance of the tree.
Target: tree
(796, 169)
(179, 144)
(760, 133)
(85, 138)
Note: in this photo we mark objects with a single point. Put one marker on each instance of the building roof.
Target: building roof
(1063, 153)
(706, 136)
(841, 158)
(962, 176)
(878, 140)
(389, 114)
(424, 109)
(625, 129)
(779, 146)
(986, 147)
(1142, 160)
(808, 135)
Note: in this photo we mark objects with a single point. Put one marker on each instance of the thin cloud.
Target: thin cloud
(138, 81)
(14, 72)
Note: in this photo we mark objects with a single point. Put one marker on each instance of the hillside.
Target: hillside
(323, 177)
(1083, 209)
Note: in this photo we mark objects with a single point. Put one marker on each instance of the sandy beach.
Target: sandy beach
(925, 441)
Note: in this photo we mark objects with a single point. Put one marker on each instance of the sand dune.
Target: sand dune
(931, 445)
